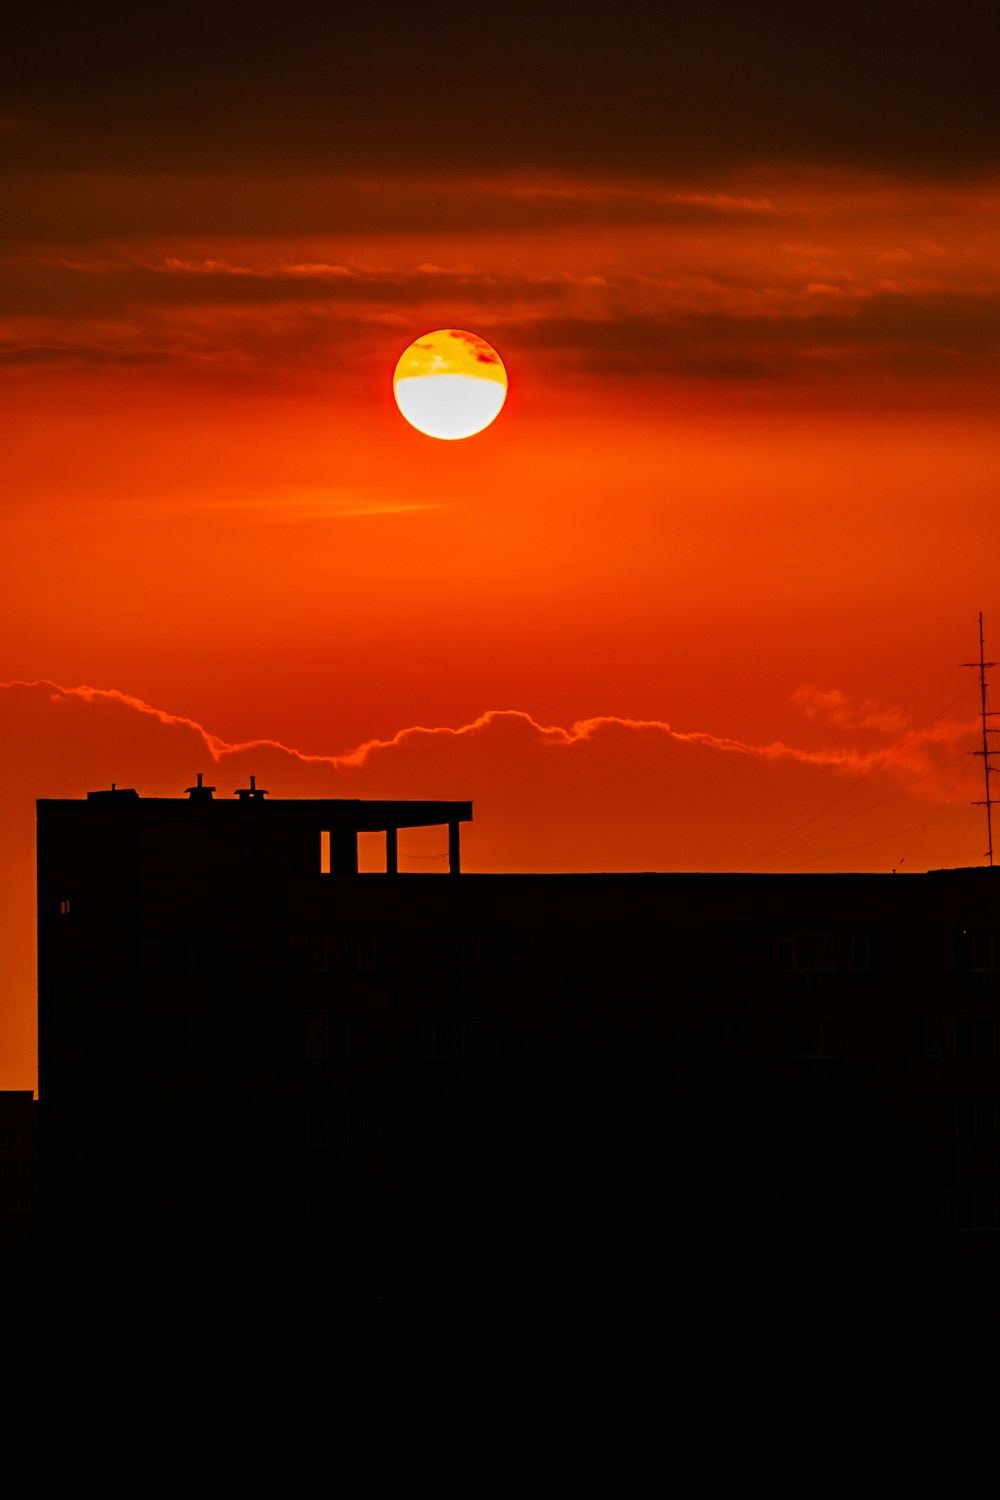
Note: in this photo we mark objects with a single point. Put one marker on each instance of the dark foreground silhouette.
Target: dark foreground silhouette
(737, 1107)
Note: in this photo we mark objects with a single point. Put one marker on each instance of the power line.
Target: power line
(854, 784)
(962, 837)
(915, 841)
(832, 853)
(868, 807)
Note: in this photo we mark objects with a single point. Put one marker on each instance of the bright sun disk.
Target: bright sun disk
(450, 384)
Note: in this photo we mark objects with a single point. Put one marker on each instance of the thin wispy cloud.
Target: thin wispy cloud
(834, 706)
(906, 755)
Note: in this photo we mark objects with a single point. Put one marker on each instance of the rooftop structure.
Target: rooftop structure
(317, 834)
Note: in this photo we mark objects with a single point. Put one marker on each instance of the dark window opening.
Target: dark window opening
(976, 1120)
(976, 1036)
(812, 1036)
(977, 1208)
(977, 949)
(869, 951)
(809, 949)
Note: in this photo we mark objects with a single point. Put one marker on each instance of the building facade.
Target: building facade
(743, 1095)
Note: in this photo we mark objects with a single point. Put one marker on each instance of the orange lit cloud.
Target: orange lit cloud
(832, 705)
(836, 707)
(732, 286)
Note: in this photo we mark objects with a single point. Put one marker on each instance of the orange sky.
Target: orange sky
(709, 577)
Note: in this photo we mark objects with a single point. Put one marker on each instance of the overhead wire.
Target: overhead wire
(973, 818)
(895, 750)
(866, 843)
(868, 807)
(915, 841)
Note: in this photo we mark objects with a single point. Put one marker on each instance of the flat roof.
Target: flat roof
(330, 812)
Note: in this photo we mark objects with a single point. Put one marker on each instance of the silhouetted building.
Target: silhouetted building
(749, 1097)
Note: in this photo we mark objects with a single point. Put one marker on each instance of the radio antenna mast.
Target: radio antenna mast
(985, 714)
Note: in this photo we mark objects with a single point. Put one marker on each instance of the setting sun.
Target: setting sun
(450, 384)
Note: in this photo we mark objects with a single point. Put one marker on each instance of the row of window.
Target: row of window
(503, 950)
(17, 1171)
(328, 1125)
(332, 1037)
(177, 1040)
(977, 1121)
(815, 949)
(15, 1135)
(322, 950)
(323, 1037)
(962, 1036)
(968, 949)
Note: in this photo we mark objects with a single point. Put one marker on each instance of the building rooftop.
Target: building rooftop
(329, 824)
(356, 813)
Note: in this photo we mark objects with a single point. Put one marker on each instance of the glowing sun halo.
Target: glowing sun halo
(450, 384)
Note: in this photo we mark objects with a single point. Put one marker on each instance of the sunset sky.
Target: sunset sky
(698, 599)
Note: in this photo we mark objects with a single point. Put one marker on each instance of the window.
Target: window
(812, 1036)
(317, 1039)
(809, 948)
(64, 907)
(869, 951)
(977, 1208)
(977, 949)
(977, 1120)
(482, 1038)
(307, 950)
(324, 853)
(976, 1036)
(315, 950)
(374, 1128)
(494, 950)
(16, 1170)
(325, 1126)
(964, 1036)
